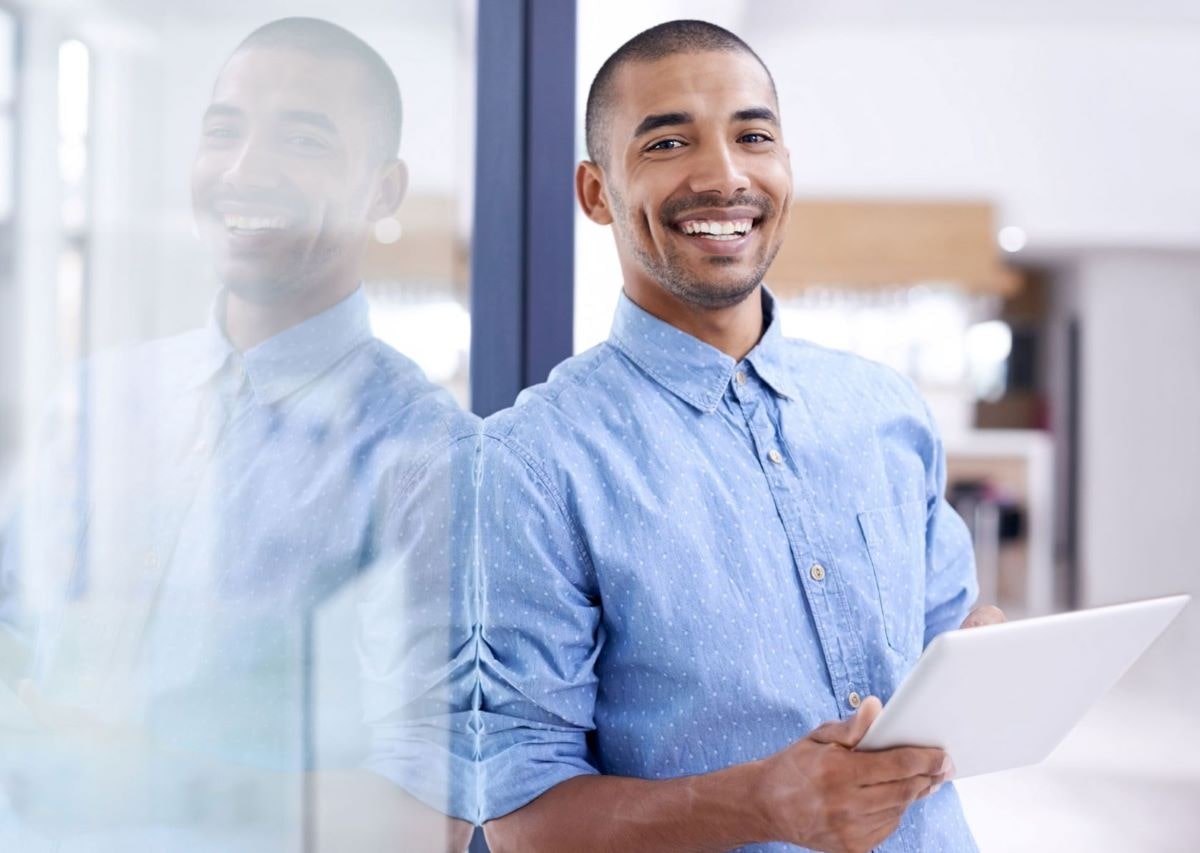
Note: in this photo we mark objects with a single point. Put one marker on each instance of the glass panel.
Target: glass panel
(6, 168)
(232, 564)
(8, 53)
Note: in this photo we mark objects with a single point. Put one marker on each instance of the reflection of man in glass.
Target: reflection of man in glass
(225, 487)
(705, 547)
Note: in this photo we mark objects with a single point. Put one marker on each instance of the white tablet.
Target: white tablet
(1004, 696)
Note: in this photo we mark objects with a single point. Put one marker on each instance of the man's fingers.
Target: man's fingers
(894, 797)
(985, 615)
(905, 762)
(849, 732)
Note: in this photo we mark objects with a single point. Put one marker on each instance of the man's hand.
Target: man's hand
(985, 615)
(819, 793)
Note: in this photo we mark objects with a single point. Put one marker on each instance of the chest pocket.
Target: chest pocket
(895, 538)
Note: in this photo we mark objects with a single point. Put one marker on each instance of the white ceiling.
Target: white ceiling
(362, 14)
(755, 15)
(769, 15)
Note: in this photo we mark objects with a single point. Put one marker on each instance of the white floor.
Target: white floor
(1126, 779)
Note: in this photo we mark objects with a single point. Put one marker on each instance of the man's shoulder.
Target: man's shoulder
(142, 367)
(389, 389)
(821, 369)
(576, 392)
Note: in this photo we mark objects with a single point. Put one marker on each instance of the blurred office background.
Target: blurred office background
(1002, 200)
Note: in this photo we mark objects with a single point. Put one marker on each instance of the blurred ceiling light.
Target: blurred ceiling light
(388, 230)
(1012, 238)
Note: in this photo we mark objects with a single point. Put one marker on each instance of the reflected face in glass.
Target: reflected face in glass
(285, 181)
(699, 179)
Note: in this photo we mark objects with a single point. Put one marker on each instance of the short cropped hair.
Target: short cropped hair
(658, 42)
(326, 40)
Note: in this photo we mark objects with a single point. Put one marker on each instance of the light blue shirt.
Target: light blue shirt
(690, 562)
(203, 513)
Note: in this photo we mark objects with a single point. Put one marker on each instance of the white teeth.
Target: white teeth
(724, 229)
(254, 223)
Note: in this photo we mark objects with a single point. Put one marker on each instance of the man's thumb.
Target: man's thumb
(849, 732)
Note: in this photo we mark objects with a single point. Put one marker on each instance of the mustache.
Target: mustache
(676, 207)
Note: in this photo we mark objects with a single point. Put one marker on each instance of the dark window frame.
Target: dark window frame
(523, 250)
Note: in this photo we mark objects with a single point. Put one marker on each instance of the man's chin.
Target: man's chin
(709, 294)
(259, 289)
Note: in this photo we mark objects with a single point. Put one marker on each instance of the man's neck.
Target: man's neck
(247, 324)
(734, 330)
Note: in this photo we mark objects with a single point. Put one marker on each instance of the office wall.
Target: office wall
(1083, 130)
(1140, 455)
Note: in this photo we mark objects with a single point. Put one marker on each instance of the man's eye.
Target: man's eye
(220, 131)
(308, 143)
(666, 145)
(754, 138)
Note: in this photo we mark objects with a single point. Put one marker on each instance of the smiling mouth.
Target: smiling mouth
(244, 224)
(713, 229)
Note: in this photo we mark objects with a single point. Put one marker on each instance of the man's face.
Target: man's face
(284, 178)
(698, 180)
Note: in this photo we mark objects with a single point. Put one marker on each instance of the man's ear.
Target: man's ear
(390, 189)
(589, 189)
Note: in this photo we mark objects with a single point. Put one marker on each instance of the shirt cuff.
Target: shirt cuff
(522, 764)
(433, 764)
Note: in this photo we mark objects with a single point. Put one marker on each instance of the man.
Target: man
(706, 549)
(229, 484)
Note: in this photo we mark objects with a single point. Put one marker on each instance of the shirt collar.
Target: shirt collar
(769, 356)
(291, 359)
(212, 349)
(686, 366)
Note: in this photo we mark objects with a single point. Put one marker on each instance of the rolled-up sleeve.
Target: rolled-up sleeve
(416, 639)
(540, 634)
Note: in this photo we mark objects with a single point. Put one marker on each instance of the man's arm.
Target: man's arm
(415, 640)
(817, 793)
(951, 584)
(541, 634)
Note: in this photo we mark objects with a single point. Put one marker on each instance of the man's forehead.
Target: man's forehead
(716, 79)
(282, 74)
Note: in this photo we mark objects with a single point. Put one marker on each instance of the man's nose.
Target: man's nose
(254, 164)
(718, 170)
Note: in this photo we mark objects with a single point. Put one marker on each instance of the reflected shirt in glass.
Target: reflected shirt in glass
(690, 562)
(266, 557)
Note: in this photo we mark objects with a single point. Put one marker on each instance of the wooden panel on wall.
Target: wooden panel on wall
(863, 243)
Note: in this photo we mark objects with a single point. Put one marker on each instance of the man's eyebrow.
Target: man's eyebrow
(219, 110)
(654, 122)
(309, 117)
(756, 114)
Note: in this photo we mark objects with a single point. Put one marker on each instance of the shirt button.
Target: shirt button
(775, 456)
(817, 572)
(855, 700)
(740, 378)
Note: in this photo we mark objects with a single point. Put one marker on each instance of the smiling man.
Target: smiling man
(706, 549)
(297, 159)
(220, 491)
